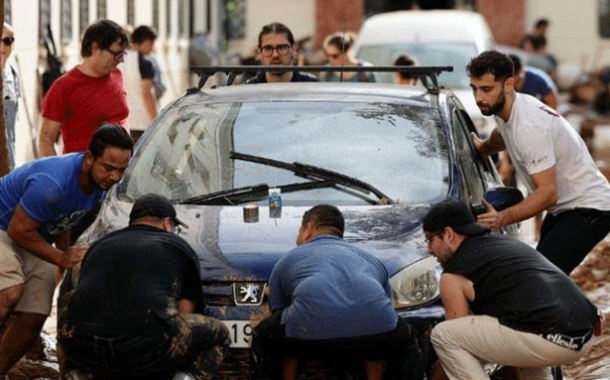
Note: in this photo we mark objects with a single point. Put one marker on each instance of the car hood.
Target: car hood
(230, 249)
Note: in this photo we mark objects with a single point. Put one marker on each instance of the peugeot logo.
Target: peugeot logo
(248, 293)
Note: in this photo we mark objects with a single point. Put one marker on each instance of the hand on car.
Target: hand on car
(73, 256)
(479, 144)
(492, 218)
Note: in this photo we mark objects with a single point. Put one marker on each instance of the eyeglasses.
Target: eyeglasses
(431, 236)
(118, 54)
(8, 41)
(267, 50)
(333, 56)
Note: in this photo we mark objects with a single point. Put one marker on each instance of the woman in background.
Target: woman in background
(336, 46)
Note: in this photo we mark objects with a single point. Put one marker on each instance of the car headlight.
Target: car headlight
(416, 284)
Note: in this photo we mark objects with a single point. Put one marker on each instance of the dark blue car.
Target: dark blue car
(381, 153)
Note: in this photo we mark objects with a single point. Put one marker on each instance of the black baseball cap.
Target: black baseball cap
(156, 206)
(454, 214)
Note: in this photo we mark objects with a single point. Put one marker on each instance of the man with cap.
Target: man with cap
(504, 302)
(136, 309)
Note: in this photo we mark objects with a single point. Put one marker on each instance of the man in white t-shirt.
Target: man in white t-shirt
(559, 172)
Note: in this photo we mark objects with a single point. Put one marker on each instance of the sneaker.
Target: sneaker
(183, 376)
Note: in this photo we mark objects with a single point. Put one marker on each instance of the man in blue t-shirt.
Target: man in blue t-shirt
(332, 300)
(38, 202)
(534, 82)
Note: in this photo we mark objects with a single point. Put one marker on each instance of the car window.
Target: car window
(399, 149)
(467, 160)
(428, 54)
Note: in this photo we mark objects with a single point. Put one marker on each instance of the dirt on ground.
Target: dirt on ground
(593, 277)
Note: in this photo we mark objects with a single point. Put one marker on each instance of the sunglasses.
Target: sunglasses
(8, 41)
(118, 54)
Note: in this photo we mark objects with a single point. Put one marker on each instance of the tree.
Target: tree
(5, 165)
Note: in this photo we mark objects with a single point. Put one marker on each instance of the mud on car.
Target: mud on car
(381, 153)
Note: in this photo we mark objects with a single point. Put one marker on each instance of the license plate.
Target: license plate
(241, 333)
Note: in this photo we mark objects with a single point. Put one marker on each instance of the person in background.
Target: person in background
(39, 201)
(276, 47)
(404, 77)
(336, 47)
(88, 95)
(10, 89)
(139, 74)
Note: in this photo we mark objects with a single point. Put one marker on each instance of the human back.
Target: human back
(337, 290)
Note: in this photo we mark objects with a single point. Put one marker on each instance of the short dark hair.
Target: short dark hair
(543, 22)
(109, 135)
(325, 215)
(405, 60)
(142, 34)
(342, 41)
(492, 62)
(275, 27)
(104, 33)
(516, 62)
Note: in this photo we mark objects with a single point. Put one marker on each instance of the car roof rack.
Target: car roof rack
(428, 75)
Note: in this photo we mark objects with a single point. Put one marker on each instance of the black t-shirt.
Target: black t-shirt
(297, 77)
(516, 284)
(131, 281)
(147, 68)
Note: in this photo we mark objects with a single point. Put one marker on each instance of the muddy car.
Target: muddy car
(243, 164)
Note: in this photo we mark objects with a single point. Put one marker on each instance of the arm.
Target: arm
(492, 145)
(49, 134)
(551, 99)
(456, 291)
(186, 306)
(542, 198)
(148, 94)
(24, 231)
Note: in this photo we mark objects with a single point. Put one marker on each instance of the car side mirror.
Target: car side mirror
(500, 198)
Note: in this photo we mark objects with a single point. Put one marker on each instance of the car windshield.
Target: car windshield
(344, 153)
(428, 54)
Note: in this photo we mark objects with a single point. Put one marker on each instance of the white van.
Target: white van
(434, 38)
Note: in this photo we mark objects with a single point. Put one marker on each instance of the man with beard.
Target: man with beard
(38, 202)
(552, 159)
(504, 302)
(276, 47)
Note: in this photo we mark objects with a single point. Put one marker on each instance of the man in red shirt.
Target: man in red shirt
(88, 95)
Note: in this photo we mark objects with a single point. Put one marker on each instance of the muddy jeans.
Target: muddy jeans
(192, 343)
(566, 238)
(464, 344)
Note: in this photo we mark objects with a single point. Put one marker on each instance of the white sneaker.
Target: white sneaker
(183, 376)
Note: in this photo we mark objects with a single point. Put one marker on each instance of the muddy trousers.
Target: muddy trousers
(398, 347)
(464, 344)
(192, 343)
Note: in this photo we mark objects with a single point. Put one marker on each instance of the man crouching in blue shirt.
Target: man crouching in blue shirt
(331, 300)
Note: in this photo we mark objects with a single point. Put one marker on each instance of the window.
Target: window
(131, 12)
(66, 21)
(44, 19)
(183, 18)
(168, 17)
(83, 16)
(604, 18)
(7, 11)
(467, 160)
(155, 15)
(235, 22)
(101, 9)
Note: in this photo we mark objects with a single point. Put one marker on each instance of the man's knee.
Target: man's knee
(439, 336)
(10, 296)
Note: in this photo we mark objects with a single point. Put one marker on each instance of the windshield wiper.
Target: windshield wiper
(231, 196)
(316, 174)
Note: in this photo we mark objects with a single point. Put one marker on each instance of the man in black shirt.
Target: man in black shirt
(276, 47)
(133, 310)
(504, 302)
